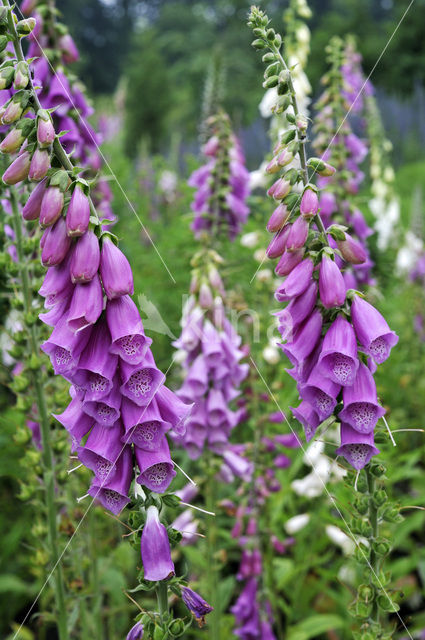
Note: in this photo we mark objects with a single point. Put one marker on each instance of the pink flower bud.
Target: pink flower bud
(69, 50)
(288, 262)
(78, 214)
(278, 245)
(45, 131)
(309, 203)
(12, 112)
(85, 259)
(279, 189)
(40, 164)
(278, 218)
(332, 287)
(51, 206)
(18, 170)
(56, 244)
(272, 166)
(12, 141)
(115, 271)
(28, 6)
(31, 210)
(284, 158)
(205, 296)
(351, 250)
(298, 234)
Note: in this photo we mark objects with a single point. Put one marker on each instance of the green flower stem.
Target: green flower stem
(47, 455)
(94, 563)
(210, 486)
(373, 519)
(162, 597)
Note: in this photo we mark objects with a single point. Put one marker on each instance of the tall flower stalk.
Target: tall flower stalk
(337, 143)
(334, 338)
(118, 396)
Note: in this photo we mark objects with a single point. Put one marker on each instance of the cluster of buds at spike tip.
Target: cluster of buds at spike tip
(332, 336)
(210, 353)
(119, 403)
(222, 183)
(65, 107)
(341, 96)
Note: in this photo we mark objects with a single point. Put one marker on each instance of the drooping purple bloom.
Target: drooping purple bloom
(112, 491)
(155, 548)
(372, 330)
(196, 605)
(102, 449)
(361, 409)
(338, 358)
(128, 338)
(320, 393)
(86, 305)
(357, 448)
(156, 467)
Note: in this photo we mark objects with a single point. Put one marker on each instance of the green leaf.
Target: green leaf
(314, 626)
(11, 583)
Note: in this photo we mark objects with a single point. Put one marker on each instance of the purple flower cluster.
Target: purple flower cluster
(355, 86)
(222, 184)
(118, 396)
(334, 344)
(119, 403)
(213, 374)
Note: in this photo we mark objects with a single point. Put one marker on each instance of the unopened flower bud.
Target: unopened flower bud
(69, 50)
(40, 164)
(24, 27)
(115, 270)
(205, 296)
(78, 214)
(56, 244)
(298, 234)
(302, 123)
(45, 129)
(85, 259)
(28, 6)
(21, 76)
(51, 206)
(278, 218)
(12, 112)
(31, 210)
(279, 189)
(309, 203)
(6, 77)
(272, 166)
(284, 158)
(3, 43)
(351, 250)
(12, 141)
(18, 170)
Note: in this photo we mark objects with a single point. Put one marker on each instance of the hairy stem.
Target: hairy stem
(43, 418)
(373, 519)
(211, 548)
(162, 597)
